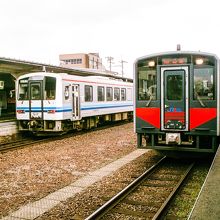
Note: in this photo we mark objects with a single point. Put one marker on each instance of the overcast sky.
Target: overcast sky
(40, 30)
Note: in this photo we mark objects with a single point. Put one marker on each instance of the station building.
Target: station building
(7, 95)
(82, 60)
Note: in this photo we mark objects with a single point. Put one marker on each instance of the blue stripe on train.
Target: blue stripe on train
(60, 109)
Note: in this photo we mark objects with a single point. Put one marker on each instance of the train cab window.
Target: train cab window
(123, 94)
(116, 94)
(101, 93)
(50, 88)
(203, 84)
(109, 94)
(146, 84)
(35, 92)
(88, 93)
(174, 87)
(23, 89)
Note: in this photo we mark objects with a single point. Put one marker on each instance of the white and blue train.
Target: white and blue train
(49, 103)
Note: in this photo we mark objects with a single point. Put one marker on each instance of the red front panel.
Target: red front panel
(150, 115)
(197, 116)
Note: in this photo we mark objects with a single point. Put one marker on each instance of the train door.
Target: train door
(75, 102)
(174, 98)
(36, 99)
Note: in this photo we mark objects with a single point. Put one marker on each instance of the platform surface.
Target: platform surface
(35, 209)
(8, 127)
(207, 205)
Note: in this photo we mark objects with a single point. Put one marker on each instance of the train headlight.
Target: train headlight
(151, 63)
(199, 61)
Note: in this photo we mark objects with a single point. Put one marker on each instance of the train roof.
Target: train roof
(177, 53)
(69, 76)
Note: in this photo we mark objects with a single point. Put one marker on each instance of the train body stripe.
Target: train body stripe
(61, 109)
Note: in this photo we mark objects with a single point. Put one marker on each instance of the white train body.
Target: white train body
(51, 102)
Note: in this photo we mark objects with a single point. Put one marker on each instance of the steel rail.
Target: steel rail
(20, 143)
(173, 193)
(121, 195)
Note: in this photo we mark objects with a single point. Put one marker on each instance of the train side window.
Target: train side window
(101, 93)
(116, 94)
(23, 89)
(147, 85)
(50, 88)
(88, 93)
(129, 94)
(109, 94)
(203, 84)
(123, 94)
(67, 92)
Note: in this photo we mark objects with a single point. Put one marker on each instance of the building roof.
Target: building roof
(20, 67)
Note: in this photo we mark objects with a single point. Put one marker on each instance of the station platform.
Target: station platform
(8, 127)
(33, 210)
(207, 205)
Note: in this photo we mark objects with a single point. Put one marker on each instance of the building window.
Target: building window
(109, 94)
(79, 61)
(88, 93)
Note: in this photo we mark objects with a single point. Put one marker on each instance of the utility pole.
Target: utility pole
(122, 66)
(110, 59)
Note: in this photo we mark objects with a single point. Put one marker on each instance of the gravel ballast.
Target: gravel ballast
(31, 173)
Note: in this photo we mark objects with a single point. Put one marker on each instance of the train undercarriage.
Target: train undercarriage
(49, 127)
(184, 142)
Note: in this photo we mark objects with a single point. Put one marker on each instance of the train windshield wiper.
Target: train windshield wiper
(200, 101)
(151, 93)
(149, 101)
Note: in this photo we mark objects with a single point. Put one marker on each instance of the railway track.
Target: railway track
(147, 196)
(12, 145)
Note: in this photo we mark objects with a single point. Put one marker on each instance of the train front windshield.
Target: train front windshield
(35, 88)
(23, 89)
(201, 72)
